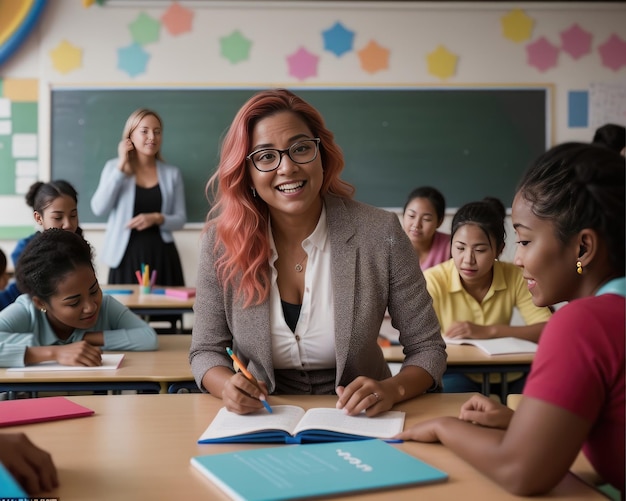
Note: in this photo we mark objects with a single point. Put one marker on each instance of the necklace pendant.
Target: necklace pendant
(298, 268)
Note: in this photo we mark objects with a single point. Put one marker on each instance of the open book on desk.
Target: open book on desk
(293, 472)
(110, 361)
(498, 346)
(291, 424)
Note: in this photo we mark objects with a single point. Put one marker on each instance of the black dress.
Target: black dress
(148, 247)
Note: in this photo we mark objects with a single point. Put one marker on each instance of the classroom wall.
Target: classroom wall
(575, 48)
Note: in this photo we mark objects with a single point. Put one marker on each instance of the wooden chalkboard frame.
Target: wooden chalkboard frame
(394, 137)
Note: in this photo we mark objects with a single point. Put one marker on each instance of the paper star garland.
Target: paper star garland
(132, 59)
(542, 54)
(576, 41)
(613, 53)
(145, 29)
(517, 26)
(177, 19)
(302, 64)
(66, 57)
(235, 47)
(374, 57)
(441, 62)
(338, 39)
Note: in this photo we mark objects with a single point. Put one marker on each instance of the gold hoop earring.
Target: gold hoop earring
(579, 267)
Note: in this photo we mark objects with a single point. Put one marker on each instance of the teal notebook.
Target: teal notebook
(9, 488)
(296, 471)
(292, 425)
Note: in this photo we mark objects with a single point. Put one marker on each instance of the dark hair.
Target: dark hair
(3, 262)
(612, 136)
(433, 195)
(577, 186)
(488, 214)
(49, 257)
(40, 195)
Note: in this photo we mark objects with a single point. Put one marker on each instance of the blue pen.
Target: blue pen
(247, 375)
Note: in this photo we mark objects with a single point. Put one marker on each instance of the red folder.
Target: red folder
(35, 410)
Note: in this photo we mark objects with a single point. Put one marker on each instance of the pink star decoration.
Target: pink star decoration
(613, 52)
(302, 64)
(576, 41)
(542, 54)
(177, 19)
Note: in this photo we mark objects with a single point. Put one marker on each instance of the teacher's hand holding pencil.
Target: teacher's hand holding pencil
(249, 377)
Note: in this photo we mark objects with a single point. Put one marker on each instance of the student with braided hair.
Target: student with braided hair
(63, 315)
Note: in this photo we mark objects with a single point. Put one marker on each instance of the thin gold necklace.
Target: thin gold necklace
(298, 267)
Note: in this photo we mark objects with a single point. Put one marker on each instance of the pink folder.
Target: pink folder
(35, 410)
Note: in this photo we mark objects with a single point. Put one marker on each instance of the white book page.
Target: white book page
(228, 424)
(499, 346)
(385, 425)
(110, 361)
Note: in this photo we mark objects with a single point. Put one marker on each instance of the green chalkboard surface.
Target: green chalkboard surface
(468, 142)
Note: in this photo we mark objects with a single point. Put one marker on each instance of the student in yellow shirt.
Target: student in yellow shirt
(474, 294)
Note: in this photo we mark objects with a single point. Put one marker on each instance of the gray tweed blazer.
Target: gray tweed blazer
(374, 268)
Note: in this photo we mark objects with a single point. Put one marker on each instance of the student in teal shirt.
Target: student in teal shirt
(63, 316)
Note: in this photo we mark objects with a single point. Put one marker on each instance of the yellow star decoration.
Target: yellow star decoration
(66, 57)
(88, 3)
(441, 62)
(517, 26)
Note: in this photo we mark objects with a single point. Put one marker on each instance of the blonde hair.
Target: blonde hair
(132, 122)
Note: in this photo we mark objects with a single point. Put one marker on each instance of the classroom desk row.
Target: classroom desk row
(139, 447)
(148, 304)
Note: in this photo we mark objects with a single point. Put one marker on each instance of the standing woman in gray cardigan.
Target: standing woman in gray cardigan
(144, 199)
(296, 276)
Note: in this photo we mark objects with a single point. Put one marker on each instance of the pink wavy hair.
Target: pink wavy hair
(240, 219)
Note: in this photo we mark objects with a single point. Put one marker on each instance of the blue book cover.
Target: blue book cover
(296, 471)
(9, 488)
(292, 425)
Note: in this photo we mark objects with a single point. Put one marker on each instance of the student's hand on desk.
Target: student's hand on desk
(468, 330)
(242, 396)
(31, 466)
(484, 411)
(364, 394)
(80, 353)
(426, 431)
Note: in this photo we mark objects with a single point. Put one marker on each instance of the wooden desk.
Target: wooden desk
(139, 447)
(463, 359)
(150, 304)
(158, 371)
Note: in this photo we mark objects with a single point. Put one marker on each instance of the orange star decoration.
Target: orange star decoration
(517, 26)
(374, 57)
(441, 62)
(88, 3)
(66, 57)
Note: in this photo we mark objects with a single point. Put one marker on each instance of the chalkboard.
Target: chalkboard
(468, 142)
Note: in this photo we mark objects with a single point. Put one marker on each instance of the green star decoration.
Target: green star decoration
(235, 47)
(145, 29)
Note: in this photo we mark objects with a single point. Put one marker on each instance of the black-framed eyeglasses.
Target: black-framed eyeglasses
(302, 152)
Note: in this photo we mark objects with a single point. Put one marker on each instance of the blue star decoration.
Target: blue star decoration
(338, 39)
(132, 59)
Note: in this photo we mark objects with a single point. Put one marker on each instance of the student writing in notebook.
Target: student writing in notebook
(568, 215)
(29, 465)
(63, 315)
(296, 276)
(474, 294)
(424, 212)
(55, 205)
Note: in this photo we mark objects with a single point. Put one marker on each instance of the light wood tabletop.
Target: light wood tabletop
(169, 364)
(139, 447)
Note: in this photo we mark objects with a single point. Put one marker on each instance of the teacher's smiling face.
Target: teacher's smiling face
(292, 188)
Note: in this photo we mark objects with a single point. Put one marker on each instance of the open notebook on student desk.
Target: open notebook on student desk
(291, 424)
(498, 346)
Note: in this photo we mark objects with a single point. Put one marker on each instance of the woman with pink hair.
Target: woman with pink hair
(296, 276)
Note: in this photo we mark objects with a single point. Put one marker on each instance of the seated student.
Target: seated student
(29, 465)
(568, 214)
(474, 294)
(612, 136)
(8, 291)
(55, 205)
(296, 276)
(424, 212)
(63, 315)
